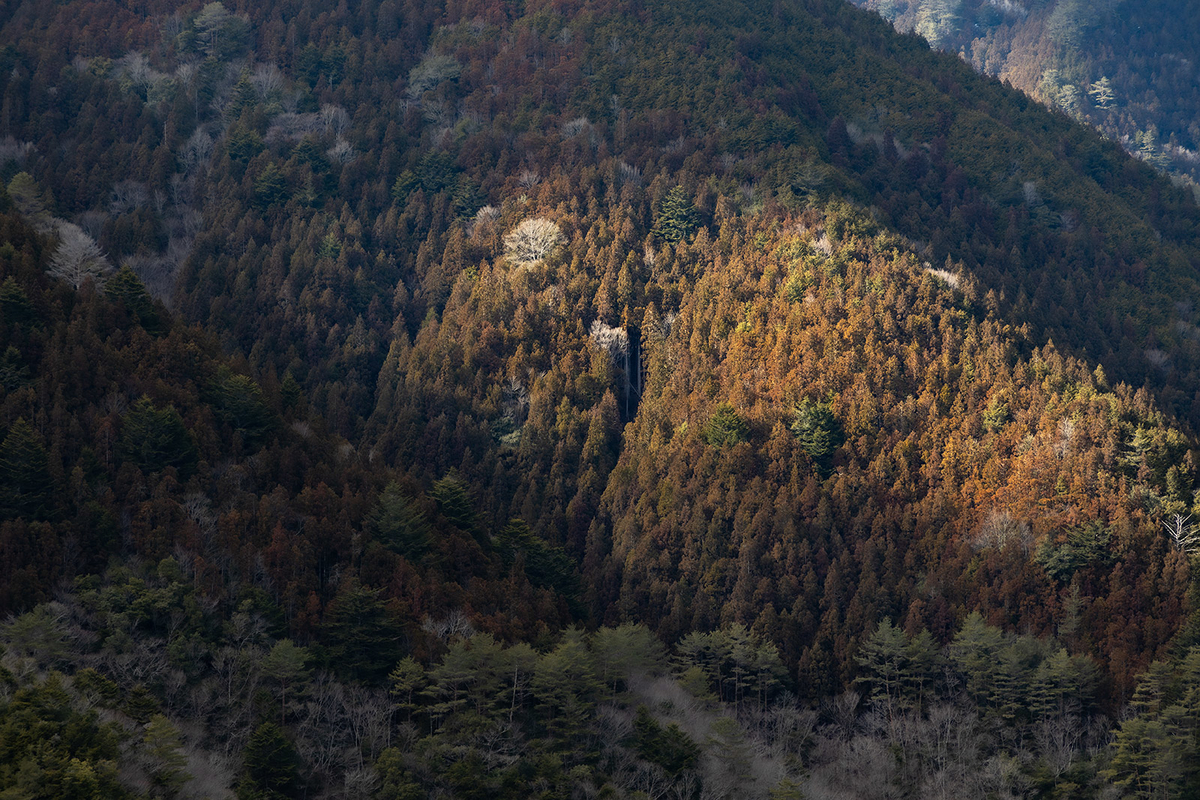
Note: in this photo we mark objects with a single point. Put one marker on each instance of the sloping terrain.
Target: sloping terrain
(746, 320)
(1127, 68)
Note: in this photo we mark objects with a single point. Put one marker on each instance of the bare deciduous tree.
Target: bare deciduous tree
(335, 119)
(1000, 528)
(453, 625)
(13, 150)
(529, 178)
(1183, 535)
(531, 241)
(78, 258)
(196, 150)
(613, 340)
(342, 152)
(267, 80)
(128, 196)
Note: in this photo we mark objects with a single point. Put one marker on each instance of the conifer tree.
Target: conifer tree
(166, 763)
(271, 766)
(400, 524)
(26, 488)
(155, 439)
(677, 218)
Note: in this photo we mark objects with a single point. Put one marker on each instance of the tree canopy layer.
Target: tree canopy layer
(481, 352)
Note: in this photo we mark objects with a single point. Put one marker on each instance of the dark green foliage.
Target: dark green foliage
(436, 171)
(400, 524)
(155, 439)
(362, 639)
(165, 762)
(1156, 752)
(238, 402)
(26, 488)
(396, 782)
(95, 688)
(271, 766)
(140, 704)
(897, 668)
(1078, 547)
(243, 144)
(310, 152)
(545, 566)
(289, 391)
(330, 247)
(287, 664)
(995, 415)
(466, 197)
(52, 752)
(725, 427)
(738, 664)
(333, 62)
(13, 371)
(566, 688)
(308, 64)
(817, 431)
(406, 183)
(126, 287)
(244, 96)
(14, 303)
(454, 502)
(677, 218)
(216, 33)
(271, 188)
(669, 747)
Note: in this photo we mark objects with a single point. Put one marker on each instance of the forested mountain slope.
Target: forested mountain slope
(744, 319)
(1127, 68)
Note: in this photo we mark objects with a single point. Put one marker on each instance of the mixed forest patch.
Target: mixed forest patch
(600, 397)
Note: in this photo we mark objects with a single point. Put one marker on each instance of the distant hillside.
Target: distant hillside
(1127, 68)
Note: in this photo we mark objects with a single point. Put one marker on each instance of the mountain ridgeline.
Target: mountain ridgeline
(711, 399)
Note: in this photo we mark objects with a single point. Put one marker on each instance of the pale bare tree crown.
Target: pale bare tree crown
(531, 241)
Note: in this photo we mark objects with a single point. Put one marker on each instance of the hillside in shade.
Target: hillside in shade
(1127, 68)
(707, 399)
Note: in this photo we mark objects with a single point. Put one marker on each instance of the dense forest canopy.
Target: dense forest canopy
(696, 400)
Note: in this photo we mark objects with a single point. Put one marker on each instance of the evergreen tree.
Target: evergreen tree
(400, 524)
(126, 287)
(668, 747)
(725, 427)
(271, 766)
(1102, 93)
(26, 488)
(286, 663)
(13, 371)
(817, 431)
(155, 439)
(884, 657)
(677, 218)
(271, 187)
(166, 763)
(52, 751)
(454, 503)
(406, 680)
(14, 303)
(361, 638)
(238, 401)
